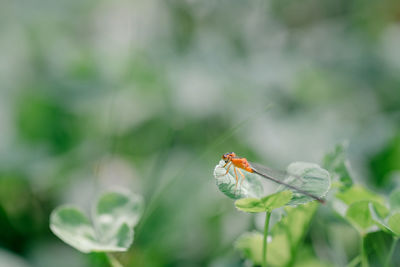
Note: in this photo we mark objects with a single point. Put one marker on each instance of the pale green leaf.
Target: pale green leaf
(249, 187)
(308, 177)
(337, 164)
(114, 217)
(74, 228)
(264, 204)
(114, 209)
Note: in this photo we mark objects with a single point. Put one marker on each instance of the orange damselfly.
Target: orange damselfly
(238, 164)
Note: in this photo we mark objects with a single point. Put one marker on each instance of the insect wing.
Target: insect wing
(283, 176)
(304, 186)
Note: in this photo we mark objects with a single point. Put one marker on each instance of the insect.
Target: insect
(239, 164)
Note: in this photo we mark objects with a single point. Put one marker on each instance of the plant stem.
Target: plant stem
(354, 262)
(392, 247)
(113, 261)
(264, 259)
(364, 259)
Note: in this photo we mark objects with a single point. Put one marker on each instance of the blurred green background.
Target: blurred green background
(149, 94)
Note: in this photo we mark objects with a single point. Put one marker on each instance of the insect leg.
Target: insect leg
(237, 178)
(229, 166)
(241, 173)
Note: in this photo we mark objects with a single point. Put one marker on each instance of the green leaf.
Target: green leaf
(354, 194)
(288, 233)
(286, 236)
(337, 164)
(114, 217)
(264, 204)
(359, 193)
(309, 177)
(377, 246)
(380, 221)
(250, 205)
(74, 228)
(276, 200)
(113, 210)
(250, 244)
(359, 215)
(308, 258)
(394, 223)
(394, 200)
(389, 224)
(250, 187)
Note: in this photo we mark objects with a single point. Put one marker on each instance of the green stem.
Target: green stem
(113, 261)
(264, 259)
(354, 262)
(392, 247)
(364, 259)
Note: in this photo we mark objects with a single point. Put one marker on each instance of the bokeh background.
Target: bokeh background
(148, 94)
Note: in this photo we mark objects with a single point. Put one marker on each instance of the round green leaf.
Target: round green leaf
(114, 217)
(354, 194)
(359, 193)
(74, 228)
(250, 244)
(337, 164)
(380, 221)
(359, 215)
(277, 200)
(389, 224)
(394, 223)
(264, 204)
(308, 177)
(250, 187)
(115, 209)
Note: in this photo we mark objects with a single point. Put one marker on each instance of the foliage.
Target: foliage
(288, 232)
(286, 237)
(147, 95)
(114, 217)
(337, 164)
(264, 204)
(245, 187)
(365, 210)
(309, 177)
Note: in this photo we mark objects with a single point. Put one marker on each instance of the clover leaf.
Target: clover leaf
(114, 216)
(264, 204)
